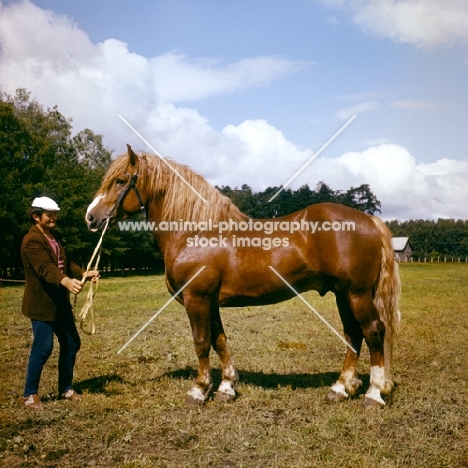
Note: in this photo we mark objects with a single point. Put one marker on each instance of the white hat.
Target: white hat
(45, 203)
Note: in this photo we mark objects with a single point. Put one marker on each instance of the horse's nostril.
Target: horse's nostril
(91, 221)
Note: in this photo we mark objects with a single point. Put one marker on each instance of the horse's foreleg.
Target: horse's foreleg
(348, 382)
(199, 315)
(230, 378)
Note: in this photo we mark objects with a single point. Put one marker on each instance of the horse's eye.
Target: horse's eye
(120, 182)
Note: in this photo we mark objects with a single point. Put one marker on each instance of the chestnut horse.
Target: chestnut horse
(356, 263)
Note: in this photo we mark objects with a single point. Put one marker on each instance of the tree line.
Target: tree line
(39, 156)
(444, 238)
(257, 204)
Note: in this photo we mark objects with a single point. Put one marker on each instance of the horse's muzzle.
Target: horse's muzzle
(92, 223)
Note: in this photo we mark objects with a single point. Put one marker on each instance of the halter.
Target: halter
(120, 198)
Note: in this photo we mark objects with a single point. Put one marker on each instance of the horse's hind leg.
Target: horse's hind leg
(373, 330)
(230, 378)
(348, 383)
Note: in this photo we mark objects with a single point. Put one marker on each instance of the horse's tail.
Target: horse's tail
(387, 294)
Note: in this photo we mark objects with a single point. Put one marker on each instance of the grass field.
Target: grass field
(133, 414)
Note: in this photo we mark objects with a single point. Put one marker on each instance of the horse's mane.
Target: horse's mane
(179, 201)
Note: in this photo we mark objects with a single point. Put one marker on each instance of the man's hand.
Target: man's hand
(72, 284)
(93, 275)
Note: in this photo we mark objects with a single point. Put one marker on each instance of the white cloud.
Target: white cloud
(266, 158)
(29, 34)
(209, 77)
(425, 23)
(406, 189)
(348, 112)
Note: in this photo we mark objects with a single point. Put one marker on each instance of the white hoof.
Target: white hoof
(194, 397)
(337, 392)
(226, 391)
(373, 399)
(335, 397)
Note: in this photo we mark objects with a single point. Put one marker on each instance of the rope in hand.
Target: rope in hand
(88, 307)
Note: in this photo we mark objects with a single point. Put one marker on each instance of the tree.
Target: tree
(243, 198)
(362, 199)
(323, 193)
(39, 157)
(12, 135)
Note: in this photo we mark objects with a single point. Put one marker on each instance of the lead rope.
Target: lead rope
(88, 307)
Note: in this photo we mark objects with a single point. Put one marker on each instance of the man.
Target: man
(50, 278)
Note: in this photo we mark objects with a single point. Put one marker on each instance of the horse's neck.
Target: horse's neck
(162, 237)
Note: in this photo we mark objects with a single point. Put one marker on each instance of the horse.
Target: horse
(216, 256)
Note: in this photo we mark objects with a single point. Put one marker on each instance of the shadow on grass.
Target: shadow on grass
(264, 380)
(98, 384)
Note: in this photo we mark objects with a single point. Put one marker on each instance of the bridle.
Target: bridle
(131, 186)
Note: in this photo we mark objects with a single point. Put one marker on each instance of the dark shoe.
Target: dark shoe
(72, 395)
(32, 402)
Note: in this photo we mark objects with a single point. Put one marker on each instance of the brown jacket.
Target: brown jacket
(43, 294)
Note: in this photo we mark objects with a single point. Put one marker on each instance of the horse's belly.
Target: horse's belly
(270, 293)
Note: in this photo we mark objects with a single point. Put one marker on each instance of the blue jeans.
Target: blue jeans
(69, 340)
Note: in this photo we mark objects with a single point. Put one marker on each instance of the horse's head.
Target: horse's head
(119, 195)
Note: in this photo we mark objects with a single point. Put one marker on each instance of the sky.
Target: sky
(248, 92)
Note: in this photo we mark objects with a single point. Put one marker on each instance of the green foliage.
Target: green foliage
(433, 239)
(257, 205)
(360, 198)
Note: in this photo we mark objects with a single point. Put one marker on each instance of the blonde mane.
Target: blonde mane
(165, 186)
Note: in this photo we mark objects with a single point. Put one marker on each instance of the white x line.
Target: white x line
(313, 310)
(159, 156)
(311, 159)
(161, 309)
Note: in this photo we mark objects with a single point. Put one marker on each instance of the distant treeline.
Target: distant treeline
(432, 239)
(40, 157)
(257, 204)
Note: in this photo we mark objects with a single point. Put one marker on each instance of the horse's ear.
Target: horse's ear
(132, 156)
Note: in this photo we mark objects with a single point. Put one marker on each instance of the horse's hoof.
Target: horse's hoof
(224, 397)
(336, 396)
(194, 397)
(193, 402)
(226, 392)
(372, 403)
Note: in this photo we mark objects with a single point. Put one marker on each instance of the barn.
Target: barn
(402, 248)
